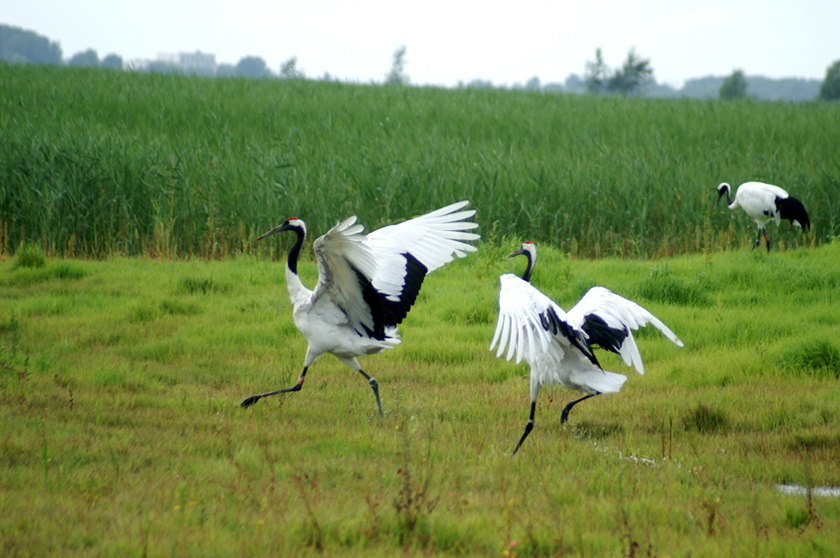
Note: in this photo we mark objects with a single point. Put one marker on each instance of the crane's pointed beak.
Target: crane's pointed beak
(515, 253)
(275, 230)
(720, 195)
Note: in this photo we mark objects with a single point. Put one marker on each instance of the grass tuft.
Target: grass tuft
(29, 256)
(662, 286)
(178, 307)
(706, 420)
(203, 285)
(815, 357)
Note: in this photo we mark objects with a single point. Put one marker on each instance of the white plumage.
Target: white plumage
(763, 202)
(558, 346)
(367, 283)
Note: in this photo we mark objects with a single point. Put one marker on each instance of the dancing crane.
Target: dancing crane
(558, 346)
(763, 202)
(367, 283)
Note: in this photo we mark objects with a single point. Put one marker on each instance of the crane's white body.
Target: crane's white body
(758, 200)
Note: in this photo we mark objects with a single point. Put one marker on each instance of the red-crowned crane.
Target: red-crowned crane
(763, 202)
(558, 346)
(367, 283)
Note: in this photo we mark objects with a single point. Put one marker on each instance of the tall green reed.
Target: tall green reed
(94, 163)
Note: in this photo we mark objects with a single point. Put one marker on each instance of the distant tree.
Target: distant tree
(226, 70)
(112, 62)
(830, 88)
(734, 86)
(634, 74)
(289, 70)
(397, 74)
(596, 74)
(477, 84)
(533, 84)
(18, 45)
(85, 58)
(574, 84)
(252, 67)
(552, 88)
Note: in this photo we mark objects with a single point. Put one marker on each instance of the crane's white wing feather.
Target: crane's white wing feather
(342, 257)
(609, 320)
(432, 239)
(525, 323)
(375, 279)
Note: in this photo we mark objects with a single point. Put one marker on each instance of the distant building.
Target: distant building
(200, 63)
(195, 62)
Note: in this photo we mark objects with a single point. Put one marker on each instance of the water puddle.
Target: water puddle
(799, 490)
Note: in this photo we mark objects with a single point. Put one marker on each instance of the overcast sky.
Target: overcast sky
(451, 41)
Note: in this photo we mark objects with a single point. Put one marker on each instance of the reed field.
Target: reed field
(123, 436)
(95, 163)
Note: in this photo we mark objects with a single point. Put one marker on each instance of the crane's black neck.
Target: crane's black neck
(294, 253)
(728, 195)
(529, 269)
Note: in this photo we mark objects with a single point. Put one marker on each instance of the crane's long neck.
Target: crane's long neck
(294, 253)
(529, 269)
(728, 196)
(297, 290)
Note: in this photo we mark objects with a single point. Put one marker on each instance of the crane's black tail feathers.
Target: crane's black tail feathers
(792, 209)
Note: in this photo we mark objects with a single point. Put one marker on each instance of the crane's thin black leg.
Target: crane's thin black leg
(757, 240)
(254, 398)
(767, 240)
(528, 427)
(374, 385)
(565, 415)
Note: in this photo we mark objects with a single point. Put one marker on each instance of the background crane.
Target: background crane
(763, 202)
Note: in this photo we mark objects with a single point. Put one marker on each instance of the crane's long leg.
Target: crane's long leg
(254, 398)
(528, 427)
(375, 387)
(565, 415)
(767, 240)
(757, 240)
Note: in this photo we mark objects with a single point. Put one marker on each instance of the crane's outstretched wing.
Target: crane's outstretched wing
(532, 326)
(375, 279)
(608, 319)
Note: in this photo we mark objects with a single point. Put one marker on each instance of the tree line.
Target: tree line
(634, 77)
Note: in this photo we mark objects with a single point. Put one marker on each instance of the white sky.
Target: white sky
(448, 41)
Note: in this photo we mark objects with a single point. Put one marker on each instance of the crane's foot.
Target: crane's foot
(564, 416)
(250, 401)
(528, 428)
(374, 385)
(254, 398)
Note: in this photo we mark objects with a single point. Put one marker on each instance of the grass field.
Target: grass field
(122, 436)
(96, 163)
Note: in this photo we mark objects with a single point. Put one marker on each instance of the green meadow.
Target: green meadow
(123, 435)
(137, 310)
